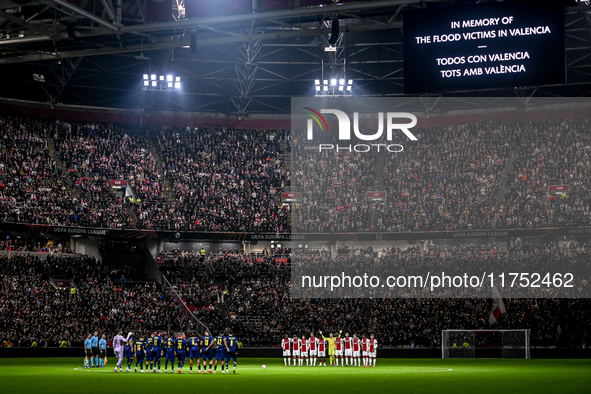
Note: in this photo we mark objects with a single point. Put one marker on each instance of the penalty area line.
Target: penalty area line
(370, 372)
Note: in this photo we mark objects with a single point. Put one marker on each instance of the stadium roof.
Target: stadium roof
(239, 64)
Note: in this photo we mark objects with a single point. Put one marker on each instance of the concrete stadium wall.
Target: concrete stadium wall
(196, 246)
(86, 245)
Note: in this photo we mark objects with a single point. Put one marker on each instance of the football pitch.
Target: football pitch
(67, 375)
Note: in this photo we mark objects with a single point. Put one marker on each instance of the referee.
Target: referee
(103, 350)
(95, 349)
(87, 351)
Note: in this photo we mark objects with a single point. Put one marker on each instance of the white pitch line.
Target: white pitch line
(276, 371)
(390, 371)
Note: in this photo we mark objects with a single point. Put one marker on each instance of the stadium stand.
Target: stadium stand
(33, 188)
(475, 175)
(450, 179)
(94, 154)
(334, 185)
(252, 295)
(555, 152)
(35, 308)
(224, 179)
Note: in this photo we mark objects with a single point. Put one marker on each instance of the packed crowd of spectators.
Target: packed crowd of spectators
(476, 175)
(33, 189)
(223, 179)
(95, 154)
(10, 244)
(33, 309)
(182, 267)
(253, 296)
(333, 185)
(264, 312)
(469, 176)
(456, 184)
(448, 179)
(555, 152)
(428, 316)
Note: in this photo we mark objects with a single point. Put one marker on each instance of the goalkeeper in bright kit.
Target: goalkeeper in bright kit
(331, 347)
(373, 347)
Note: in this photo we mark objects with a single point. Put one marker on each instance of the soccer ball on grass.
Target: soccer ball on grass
(264, 367)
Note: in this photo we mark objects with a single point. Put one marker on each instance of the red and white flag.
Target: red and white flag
(498, 307)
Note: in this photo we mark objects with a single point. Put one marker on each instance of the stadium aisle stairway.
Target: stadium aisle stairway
(56, 157)
(168, 190)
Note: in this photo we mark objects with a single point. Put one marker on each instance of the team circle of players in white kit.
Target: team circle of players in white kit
(352, 350)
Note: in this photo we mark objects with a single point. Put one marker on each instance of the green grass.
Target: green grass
(66, 375)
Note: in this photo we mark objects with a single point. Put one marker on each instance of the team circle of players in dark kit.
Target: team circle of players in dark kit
(215, 350)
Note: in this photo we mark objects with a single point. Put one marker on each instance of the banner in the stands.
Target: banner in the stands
(32, 229)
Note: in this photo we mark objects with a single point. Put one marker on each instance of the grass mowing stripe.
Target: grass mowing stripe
(67, 375)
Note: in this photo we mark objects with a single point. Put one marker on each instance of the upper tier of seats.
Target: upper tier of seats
(477, 175)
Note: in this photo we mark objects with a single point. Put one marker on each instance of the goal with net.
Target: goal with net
(485, 344)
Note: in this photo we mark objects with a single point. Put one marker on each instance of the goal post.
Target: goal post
(485, 343)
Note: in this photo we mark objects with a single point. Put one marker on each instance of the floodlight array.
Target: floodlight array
(333, 87)
(161, 82)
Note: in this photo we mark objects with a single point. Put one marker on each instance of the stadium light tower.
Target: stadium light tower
(162, 83)
(333, 89)
(335, 86)
(333, 82)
